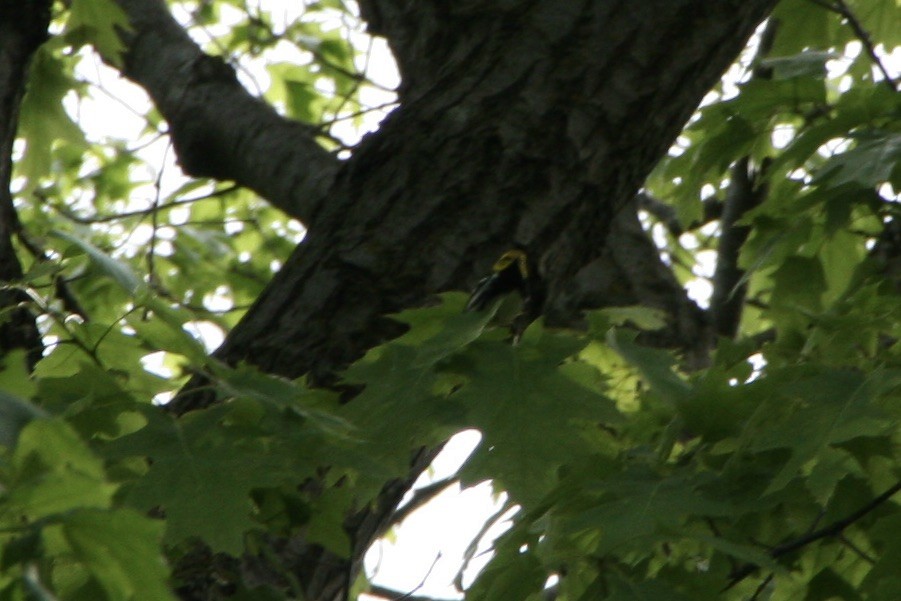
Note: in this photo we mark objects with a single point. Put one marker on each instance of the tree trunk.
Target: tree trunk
(522, 122)
(23, 27)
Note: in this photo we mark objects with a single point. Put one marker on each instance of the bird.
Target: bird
(514, 278)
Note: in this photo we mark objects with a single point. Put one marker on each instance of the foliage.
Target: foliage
(633, 479)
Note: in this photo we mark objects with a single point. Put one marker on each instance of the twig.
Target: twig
(843, 10)
(381, 591)
(712, 210)
(864, 37)
(857, 550)
(387, 593)
(61, 285)
(369, 109)
(155, 221)
(421, 496)
(356, 85)
(136, 213)
(834, 529)
(474, 545)
(60, 321)
(761, 587)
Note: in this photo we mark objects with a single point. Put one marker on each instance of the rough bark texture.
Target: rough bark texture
(535, 124)
(522, 121)
(23, 27)
(217, 128)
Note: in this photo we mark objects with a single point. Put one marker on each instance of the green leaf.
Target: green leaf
(98, 22)
(879, 19)
(168, 335)
(801, 25)
(828, 585)
(633, 509)
(622, 589)
(53, 472)
(15, 378)
(405, 403)
(121, 550)
(294, 85)
(203, 471)
(716, 409)
(42, 118)
(832, 407)
(328, 529)
(760, 98)
(656, 366)
(807, 63)
(117, 270)
(799, 285)
(14, 415)
(247, 382)
(873, 161)
(884, 581)
(533, 411)
(513, 575)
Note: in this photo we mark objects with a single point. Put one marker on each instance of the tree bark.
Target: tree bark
(218, 129)
(528, 125)
(520, 122)
(23, 27)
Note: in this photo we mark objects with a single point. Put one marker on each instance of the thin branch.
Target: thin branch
(155, 221)
(421, 496)
(833, 530)
(843, 10)
(387, 593)
(761, 587)
(126, 214)
(744, 193)
(60, 321)
(474, 545)
(857, 550)
(864, 38)
(729, 287)
(61, 285)
(393, 595)
(666, 214)
(326, 123)
(358, 77)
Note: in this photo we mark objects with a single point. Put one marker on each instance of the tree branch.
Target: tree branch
(393, 595)
(666, 214)
(728, 287)
(398, 596)
(841, 8)
(72, 216)
(835, 529)
(421, 496)
(743, 194)
(218, 129)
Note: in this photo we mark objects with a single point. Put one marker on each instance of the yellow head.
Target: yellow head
(509, 258)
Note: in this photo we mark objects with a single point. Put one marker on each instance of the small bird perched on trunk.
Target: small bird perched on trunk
(514, 278)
